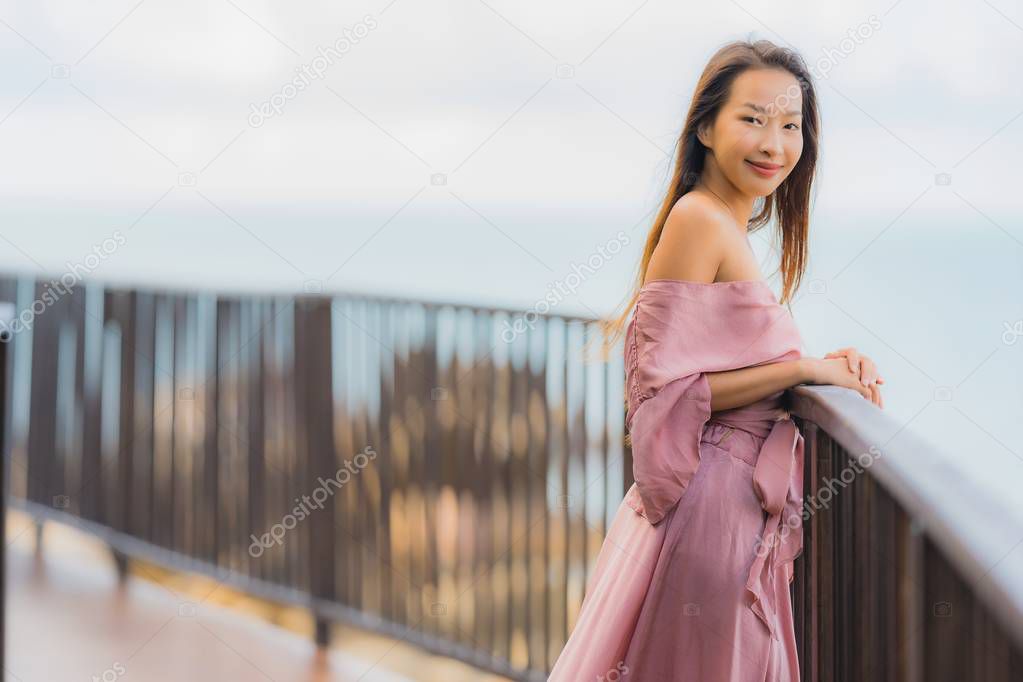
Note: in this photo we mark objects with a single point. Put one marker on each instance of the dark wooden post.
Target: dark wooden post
(314, 408)
(6, 315)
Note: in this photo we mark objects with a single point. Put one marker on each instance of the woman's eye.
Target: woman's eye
(795, 126)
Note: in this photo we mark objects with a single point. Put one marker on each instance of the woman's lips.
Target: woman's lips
(766, 170)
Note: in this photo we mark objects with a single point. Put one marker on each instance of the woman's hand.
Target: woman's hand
(866, 369)
(861, 364)
(848, 368)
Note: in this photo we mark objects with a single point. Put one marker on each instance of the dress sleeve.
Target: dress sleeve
(666, 431)
(680, 333)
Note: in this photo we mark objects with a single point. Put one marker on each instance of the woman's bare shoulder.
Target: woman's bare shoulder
(693, 242)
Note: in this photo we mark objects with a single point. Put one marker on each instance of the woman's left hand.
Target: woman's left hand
(866, 369)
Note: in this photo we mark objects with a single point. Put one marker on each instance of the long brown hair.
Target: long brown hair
(790, 202)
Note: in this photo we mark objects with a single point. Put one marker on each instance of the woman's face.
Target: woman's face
(757, 137)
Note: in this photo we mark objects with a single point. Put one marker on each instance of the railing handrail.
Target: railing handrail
(253, 292)
(970, 526)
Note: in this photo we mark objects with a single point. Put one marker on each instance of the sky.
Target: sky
(453, 118)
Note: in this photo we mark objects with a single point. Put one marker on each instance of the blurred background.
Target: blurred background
(481, 155)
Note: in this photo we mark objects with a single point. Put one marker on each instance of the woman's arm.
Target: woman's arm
(738, 387)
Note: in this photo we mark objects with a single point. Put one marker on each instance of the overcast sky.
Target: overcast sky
(155, 88)
(504, 139)
(501, 140)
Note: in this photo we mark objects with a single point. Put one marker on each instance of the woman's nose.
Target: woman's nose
(770, 144)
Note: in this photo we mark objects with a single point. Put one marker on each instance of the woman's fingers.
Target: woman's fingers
(853, 357)
(875, 396)
(868, 371)
(854, 384)
(865, 369)
(840, 353)
(859, 364)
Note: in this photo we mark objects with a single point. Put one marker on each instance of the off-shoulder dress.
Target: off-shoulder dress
(692, 581)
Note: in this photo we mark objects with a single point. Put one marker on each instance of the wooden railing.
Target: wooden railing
(440, 474)
(445, 474)
(909, 572)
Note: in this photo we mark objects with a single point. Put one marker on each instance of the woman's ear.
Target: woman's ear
(702, 135)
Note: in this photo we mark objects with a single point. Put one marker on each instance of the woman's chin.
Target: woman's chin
(760, 189)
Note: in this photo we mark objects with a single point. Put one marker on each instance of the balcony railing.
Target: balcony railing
(909, 571)
(444, 474)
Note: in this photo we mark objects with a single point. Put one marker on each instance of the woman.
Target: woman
(692, 581)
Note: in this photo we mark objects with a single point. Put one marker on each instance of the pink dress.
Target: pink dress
(692, 581)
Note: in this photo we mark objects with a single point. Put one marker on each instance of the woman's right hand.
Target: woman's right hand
(836, 372)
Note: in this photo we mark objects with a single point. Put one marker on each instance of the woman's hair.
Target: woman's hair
(790, 202)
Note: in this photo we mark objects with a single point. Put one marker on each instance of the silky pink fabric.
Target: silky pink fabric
(692, 581)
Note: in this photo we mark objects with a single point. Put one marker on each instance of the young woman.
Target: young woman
(692, 581)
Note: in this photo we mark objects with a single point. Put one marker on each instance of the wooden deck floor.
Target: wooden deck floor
(69, 619)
